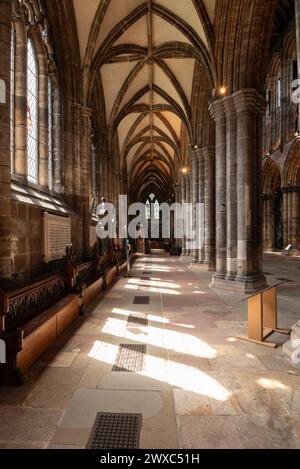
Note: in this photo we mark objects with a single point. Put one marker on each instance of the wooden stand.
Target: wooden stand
(262, 317)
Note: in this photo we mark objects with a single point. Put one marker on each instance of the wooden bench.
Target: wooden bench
(32, 318)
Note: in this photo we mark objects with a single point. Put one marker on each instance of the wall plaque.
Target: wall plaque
(57, 234)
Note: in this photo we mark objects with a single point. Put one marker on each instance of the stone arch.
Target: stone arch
(291, 172)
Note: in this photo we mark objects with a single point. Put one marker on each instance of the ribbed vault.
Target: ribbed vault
(144, 55)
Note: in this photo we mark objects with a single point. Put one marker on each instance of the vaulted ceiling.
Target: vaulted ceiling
(144, 53)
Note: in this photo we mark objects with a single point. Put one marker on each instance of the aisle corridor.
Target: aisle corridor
(194, 383)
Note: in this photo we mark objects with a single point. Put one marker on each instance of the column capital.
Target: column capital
(229, 106)
(217, 109)
(249, 100)
(86, 111)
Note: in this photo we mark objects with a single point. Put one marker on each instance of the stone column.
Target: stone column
(268, 223)
(202, 186)
(195, 199)
(231, 189)
(20, 98)
(5, 187)
(57, 137)
(294, 214)
(250, 107)
(297, 21)
(296, 217)
(218, 113)
(177, 192)
(290, 215)
(285, 217)
(85, 150)
(189, 213)
(183, 201)
(208, 155)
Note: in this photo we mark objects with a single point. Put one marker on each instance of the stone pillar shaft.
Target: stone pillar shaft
(220, 165)
(297, 21)
(250, 107)
(268, 223)
(231, 189)
(5, 180)
(20, 163)
(209, 201)
(195, 197)
(85, 155)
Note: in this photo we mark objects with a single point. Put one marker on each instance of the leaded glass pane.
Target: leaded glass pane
(32, 113)
(156, 210)
(148, 210)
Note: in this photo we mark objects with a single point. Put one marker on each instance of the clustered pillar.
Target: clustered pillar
(238, 191)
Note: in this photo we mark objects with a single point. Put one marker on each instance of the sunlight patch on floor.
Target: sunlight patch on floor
(176, 374)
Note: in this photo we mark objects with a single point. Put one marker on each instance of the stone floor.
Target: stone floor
(200, 387)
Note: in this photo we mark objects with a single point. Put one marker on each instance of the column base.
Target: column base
(242, 285)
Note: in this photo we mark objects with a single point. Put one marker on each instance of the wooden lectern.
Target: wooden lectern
(262, 317)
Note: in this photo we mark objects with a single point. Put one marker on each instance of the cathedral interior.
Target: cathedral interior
(165, 102)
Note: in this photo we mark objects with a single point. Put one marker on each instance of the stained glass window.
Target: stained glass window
(32, 113)
(50, 134)
(156, 210)
(12, 98)
(278, 92)
(148, 210)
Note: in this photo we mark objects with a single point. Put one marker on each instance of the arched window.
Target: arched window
(50, 134)
(278, 93)
(156, 210)
(12, 98)
(148, 210)
(32, 113)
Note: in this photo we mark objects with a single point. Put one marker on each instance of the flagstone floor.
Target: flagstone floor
(199, 387)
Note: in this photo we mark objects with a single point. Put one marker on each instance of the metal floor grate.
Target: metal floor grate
(130, 358)
(115, 431)
(134, 321)
(141, 300)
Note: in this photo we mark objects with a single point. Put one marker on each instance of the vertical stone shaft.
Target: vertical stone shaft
(20, 166)
(218, 113)
(195, 192)
(5, 187)
(202, 185)
(209, 201)
(231, 190)
(250, 107)
(85, 156)
(57, 139)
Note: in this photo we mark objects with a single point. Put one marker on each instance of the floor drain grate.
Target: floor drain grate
(130, 358)
(141, 300)
(134, 321)
(116, 431)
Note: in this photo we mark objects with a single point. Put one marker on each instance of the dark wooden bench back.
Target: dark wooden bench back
(21, 305)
